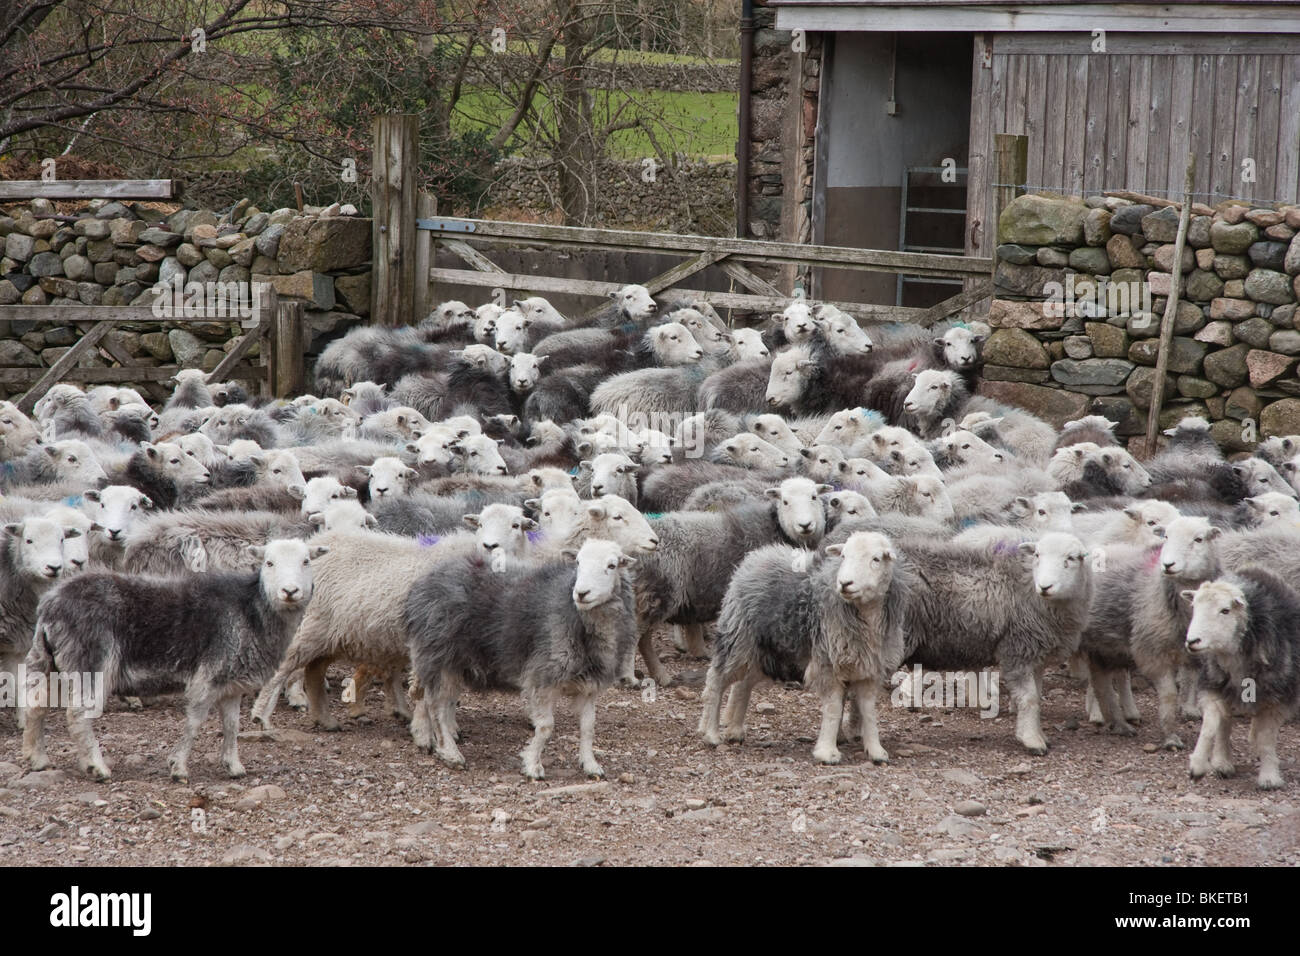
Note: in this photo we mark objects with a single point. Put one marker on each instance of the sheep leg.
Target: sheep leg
(1093, 708)
(1167, 694)
(867, 694)
(1128, 706)
(1187, 706)
(1107, 701)
(397, 703)
(541, 710)
(1025, 688)
(360, 682)
(423, 725)
(295, 694)
(694, 634)
(1206, 755)
(33, 724)
(318, 708)
(230, 735)
(586, 707)
(199, 701)
(654, 668)
(89, 757)
(851, 724)
(443, 697)
(711, 699)
(832, 710)
(738, 706)
(1263, 731)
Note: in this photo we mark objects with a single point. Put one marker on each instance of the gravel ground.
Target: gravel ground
(959, 790)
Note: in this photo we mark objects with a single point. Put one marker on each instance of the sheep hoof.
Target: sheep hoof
(100, 773)
(1122, 729)
(1173, 742)
(1038, 749)
(1189, 713)
(827, 756)
(236, 770)
(632, 683)
(713, 740)
(454, 760)
(134, 703)
(180, 777)
(535, 773)
(1273, 782)
(1224, 769)
(41, 762)
(329, 725)
(879, 757)
(594, 770)
(734, 736)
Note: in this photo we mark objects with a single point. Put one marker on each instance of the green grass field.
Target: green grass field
(701, 125)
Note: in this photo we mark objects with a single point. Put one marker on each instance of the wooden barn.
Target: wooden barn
(891, 93)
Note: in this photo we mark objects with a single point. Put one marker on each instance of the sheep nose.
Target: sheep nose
(1045, 589)
(654, 543)
(52, 570)
(381, 491)
(501, 469)
(1169, 565)
(289, 592)
(846, 586)
(490, 545)
(805, 527)
(773, 402)
(114, 534)
(581, 595)
(78, 564)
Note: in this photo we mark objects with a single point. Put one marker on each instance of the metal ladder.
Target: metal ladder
(905, 210)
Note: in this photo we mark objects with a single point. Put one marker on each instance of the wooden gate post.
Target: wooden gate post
(393, 187)
(426, 207)
(290, 342)
(1011, 167)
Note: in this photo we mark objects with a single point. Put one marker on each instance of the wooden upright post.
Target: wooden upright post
(290, 343)
(426, 207)
(393, 189)
(1171, 310)
(1011, 168)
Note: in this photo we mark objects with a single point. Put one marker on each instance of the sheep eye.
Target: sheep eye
(1151, 524)
(1200, 540)
(270, 564)
(839, 427)
(965, 447)
(305, 562)
(473, 454)
(29, 540)
(546, 514)
(620, 517)
(72, 460)
(1224, 611)
(515, 526)
(176, 461)
(135, 507)
(1042, 512)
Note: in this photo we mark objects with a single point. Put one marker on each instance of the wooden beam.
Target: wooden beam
(752, 282)
(746, 250)
(69, 358)
(1171, 310)
(469, 254)
(108, 376)
(393, 188)
(86, 313)
(89, 189)
(1010, 167)
(246, 341)
(425, 206)
(962, 300)
(1198, 209)
(684, 270)
(290, 335)
(729, 300)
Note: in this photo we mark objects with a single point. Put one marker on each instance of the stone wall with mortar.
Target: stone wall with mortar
(113, 253)
(1236, 338)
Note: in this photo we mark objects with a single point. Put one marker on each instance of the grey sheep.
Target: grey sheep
(31, 561)
(178, 541)
(215, 636)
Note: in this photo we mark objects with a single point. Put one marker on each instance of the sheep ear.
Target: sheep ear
(806, 452)
(529, 524)
(569, 554)
(14, 529)
(773, 492)
(316, 519)
(146, 502)
(822, 489)
(370, 521)
(835, 550)
(365, 470)
(596, 509)
(843, 466)
(259, 461)
(1238, 470)
(584, 465)
(224, 449)
(1078, 508)
(318, 552)
(255, 550)
(410, 473)
(1256, 504)
(471, 521)
(72, 532)
(297, 492)
(1133, 514)
(1187, 595)
(1028, 549)
(532, 504)
(349, 492)
(1240, 605)
(585, 448)
(150, 449)
(51, 451)
(91, 495)
(1213, 533)
(626, 561)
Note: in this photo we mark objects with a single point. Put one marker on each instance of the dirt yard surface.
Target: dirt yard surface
(958, 790)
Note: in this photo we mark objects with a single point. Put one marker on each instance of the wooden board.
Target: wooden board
(1270, 120)
(1288, 141)
(1139, 103)
(1036, 117)
(981, 231)
(67, 360)
(1117, 121)
(1157, 127)
(1180, 122)
(1076, 109)
(110, 376)
(1223, 180)
(1244, 130)
(1143, 44)
(88, 188)
(1094, 130)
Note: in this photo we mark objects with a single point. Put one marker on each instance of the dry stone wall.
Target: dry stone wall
(1081, 285)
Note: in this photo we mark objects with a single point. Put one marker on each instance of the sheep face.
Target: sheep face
(616, 519)
(321, 491)
(1274, 508)
(1260, 477)
(799, 510)
(785, 382)
(959, 348)
(609, 473)
(76, 547)
(389, 477)
(1149, 520)
(227, 393)
(451, 315)
(286, 573)
(485, 322)
(548, 477)
(634, 302)
(361, 391)
(749, 344)
(75, 462)
(346, 515)
(181, 468)
(226, 421)
(888, 439)
(1120, 464)
(598, 579)
(559, 511)
(1189, 551)
(116, 509)
(651, 447)
(525, 370)
(484, 357)
(927, 497)
(1045, 511)
(708, 336)
(1060, 566)
(138, 409)
(674, 345)
(750, 451)
(280, 466)
(929, 393)
(1066, 464)
(17, 430)
(242, 449)
(58, 397)
(843, 428)
(434, 447)
(967, 448)
(775, 429)
(501, 529)
(463, 425)
(540, 311)
(1220, 614)
(916, 460)
(858, 473)
(341, 420)
(39, 552)
(512, 331)
(598, 443)
(1291, 472)
(844, 335)
(849, 506)
(481, 456)
(866, 567)
(797, 322)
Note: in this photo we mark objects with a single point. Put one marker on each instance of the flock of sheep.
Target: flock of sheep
(503, 498)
